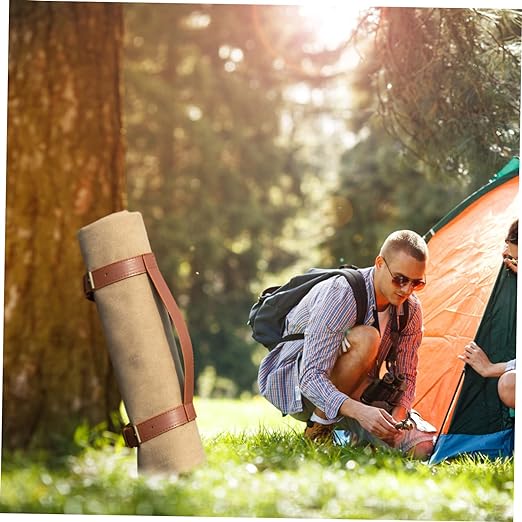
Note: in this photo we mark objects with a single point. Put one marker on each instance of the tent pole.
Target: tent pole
(450, 406)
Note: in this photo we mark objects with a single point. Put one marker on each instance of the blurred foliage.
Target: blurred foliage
(436, 108)
(210, 384)
(252, 150)
(381, 188)
(268, 473)
(209, 167)
(448, 84)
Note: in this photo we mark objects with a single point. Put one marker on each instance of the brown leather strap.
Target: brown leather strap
(179, 324)
(136, 434)
(106, 275)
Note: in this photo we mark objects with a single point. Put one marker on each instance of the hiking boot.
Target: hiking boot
(319, 432)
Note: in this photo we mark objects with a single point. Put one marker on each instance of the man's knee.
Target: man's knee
(506, 388)
(352, 367)
(364, 339)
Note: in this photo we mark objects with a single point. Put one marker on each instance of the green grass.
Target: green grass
(259, 465)
(216, 416)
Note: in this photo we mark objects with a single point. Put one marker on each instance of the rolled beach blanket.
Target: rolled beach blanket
(134, 305)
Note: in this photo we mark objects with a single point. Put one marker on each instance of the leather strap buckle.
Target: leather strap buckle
(93, 280)
(88, 286)
(137, 434)
(131, 436)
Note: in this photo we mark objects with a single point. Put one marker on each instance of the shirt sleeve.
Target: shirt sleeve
(511, 365)
(333, 309)
(407, 356)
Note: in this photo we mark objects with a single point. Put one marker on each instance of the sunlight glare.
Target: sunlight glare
(332, 23)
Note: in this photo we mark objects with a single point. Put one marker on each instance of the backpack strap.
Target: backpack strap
(292, 337)
(356, 281)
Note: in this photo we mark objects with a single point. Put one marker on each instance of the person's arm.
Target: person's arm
(479, 361)
(333, 311)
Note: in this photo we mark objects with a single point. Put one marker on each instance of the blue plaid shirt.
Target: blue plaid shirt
(294, 369)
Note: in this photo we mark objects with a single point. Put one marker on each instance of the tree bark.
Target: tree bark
(64, 170)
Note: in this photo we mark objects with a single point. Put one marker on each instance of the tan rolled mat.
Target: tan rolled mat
(132, 300)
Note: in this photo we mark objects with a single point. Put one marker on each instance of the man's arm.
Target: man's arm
(333, 311)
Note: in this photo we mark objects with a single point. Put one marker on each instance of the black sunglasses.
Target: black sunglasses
(401, 280)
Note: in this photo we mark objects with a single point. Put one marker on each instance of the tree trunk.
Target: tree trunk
(64, 170)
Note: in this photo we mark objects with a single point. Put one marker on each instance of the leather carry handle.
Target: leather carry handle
(136, 434)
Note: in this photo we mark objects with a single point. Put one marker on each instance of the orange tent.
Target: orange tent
(465, 256)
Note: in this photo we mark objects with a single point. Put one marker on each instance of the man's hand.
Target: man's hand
(375, 420)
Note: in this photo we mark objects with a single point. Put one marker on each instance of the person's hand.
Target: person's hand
(379, 423)
(477, 359)
(511, 263)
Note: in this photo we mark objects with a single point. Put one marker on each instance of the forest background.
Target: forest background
(256, 141)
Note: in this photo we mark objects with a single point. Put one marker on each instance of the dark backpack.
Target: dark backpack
(267, 316)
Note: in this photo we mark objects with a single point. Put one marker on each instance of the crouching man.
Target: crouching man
(320, 380)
